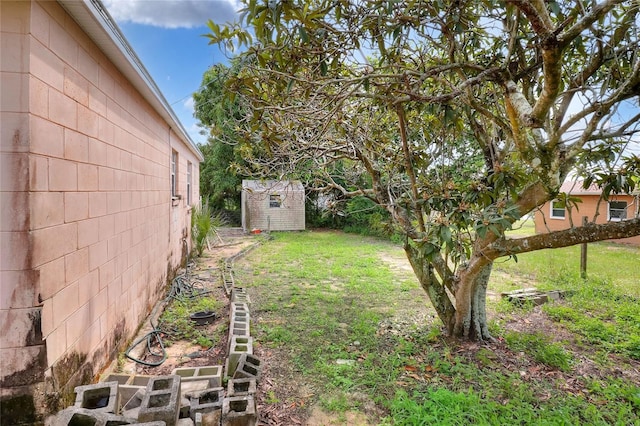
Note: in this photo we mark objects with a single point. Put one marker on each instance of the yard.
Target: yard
(347, 336)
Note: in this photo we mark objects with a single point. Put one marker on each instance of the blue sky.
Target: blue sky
(167, 37)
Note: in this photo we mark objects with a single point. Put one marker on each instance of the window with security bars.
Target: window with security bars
(617, 210)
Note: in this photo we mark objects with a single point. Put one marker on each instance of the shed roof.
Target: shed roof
(272, 185)
(93, 17)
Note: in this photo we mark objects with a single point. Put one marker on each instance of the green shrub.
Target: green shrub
(204, 223)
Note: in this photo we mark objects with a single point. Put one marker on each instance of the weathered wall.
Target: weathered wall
(545, 223)
(22, 350)
(90, 233)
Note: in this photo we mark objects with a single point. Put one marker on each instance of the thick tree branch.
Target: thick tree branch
(568, 237)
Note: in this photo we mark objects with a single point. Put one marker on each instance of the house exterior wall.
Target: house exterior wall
(90, 234)
(258, 213)
(545, 223)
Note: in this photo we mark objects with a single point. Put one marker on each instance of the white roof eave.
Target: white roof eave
(95, 20)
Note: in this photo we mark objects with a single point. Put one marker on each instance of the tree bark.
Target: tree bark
(471, 313)
(468, 318)
(434, 288)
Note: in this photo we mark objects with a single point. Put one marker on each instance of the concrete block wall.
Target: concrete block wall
(90, 233)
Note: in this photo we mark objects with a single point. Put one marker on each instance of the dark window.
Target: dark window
(557, 209)
(274, 200)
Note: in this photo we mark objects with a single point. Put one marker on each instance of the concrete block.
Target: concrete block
(239, 411)
(185, 422)
(240, 316)
(240, 329)
(161, 400)
(211, 373)
(185, 408)
(101, 397)
(239, 307)
(122, 379)
(128, 391)
(190, 387)
(132, 407)
(239, 294)
(140, 380)
(249, 367)
(239, 345)
(241, 387)
(207, 401)
(77, 416)
(198, 419)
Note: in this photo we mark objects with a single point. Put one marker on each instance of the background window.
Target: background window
(557, 209)
(617, 210)
(274, 200)
(174, 172)
(189, 183)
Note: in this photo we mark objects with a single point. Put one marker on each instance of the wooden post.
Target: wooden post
(583, 253)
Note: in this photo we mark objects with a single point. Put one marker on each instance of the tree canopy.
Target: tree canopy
(220, 177)
(464, 116)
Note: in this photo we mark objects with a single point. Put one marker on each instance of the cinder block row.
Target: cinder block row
(228, 278)
(239, 294)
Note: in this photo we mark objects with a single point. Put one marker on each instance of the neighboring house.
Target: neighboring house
(553, 216)
(98, 178)
(273, 205)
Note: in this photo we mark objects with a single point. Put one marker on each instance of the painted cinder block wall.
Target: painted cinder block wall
(545, 223)
(257, 212)
(90, 233)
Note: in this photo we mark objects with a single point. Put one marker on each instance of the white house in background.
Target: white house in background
(98, 178)
(273, 205)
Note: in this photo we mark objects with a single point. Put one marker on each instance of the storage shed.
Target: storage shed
(273, 205)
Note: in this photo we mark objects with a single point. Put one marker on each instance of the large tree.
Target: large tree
(220, 173)
(464, 115)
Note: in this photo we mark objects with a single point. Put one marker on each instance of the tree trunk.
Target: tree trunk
(434, 288)
(471, 310)
(468, 317)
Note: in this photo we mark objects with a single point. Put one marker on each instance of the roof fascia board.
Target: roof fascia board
(95, 20)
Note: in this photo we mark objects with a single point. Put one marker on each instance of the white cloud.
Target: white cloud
(173, 13)
(189, 104)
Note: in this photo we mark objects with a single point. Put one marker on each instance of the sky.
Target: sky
(167, 37)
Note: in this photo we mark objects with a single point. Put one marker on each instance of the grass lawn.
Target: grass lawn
(342, 320)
